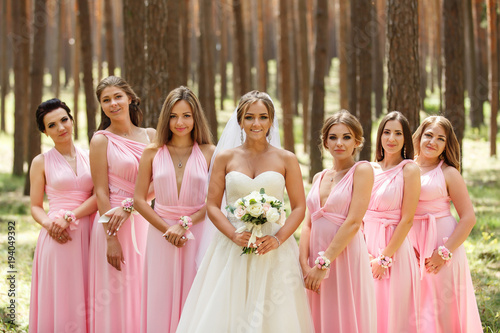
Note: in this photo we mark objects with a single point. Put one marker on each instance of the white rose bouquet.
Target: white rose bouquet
(254, 210)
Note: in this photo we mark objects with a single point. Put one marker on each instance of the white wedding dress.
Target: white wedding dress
(248, 293)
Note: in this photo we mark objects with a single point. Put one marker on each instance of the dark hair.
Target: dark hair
(407, 152)
(49, 106)
(200, 133)
(253, 97)
(134, 109)
(346, 118)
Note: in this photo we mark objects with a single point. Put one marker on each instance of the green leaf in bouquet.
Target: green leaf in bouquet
(262, 191)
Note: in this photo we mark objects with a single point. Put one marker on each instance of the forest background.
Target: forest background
(313, 57)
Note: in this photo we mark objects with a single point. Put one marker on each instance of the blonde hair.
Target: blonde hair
(451, 153)
(346, 118)
(200, 133)
(252, 97)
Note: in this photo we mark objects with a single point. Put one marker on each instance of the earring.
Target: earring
(241, 135)
(269, 136)
(404, 151)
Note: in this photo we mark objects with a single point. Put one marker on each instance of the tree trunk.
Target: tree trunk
(5, 70)
(363, 40)
(352, 69)
(98, 37)
(86, 52)
(207, 73)
(134, 64)
(285, 77)
(223, 54)
(76, 76)
(37, 70)
(422, 36)
(344, 55)
(318, 88)
(110, 40)
(56, 80)
(493, 72)
(439, 60)
(185, 40)
(304, 71)
(481, 79)
(20, 40)
(240, 61)
(403, 81)
(378, 62)
(173, 39)
(261, 60)
(470, 60)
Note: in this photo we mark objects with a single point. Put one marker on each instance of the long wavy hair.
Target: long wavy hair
(407, 152)
(346, 118)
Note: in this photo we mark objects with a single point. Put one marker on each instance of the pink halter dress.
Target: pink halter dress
(169, 271)
(115, 296)
(346, 302)
(59, 282)
(398, 293)
(448, 303)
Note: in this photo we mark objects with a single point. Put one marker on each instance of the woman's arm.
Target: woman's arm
(411, 194)
(88, 207)
(305, 240)
(362, 188)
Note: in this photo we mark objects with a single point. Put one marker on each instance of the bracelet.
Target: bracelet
(384, 261)
(128, 205)
(279, 243)
(322, 262)
(69, 216)
(185, 222)
(444, 253)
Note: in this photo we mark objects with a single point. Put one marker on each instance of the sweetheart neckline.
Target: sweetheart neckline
(260, 174)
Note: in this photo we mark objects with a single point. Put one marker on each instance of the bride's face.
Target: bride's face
(256, 121)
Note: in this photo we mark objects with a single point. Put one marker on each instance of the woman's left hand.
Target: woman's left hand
(58, 226)
(378, 271)
(434, 263)
(175, 234)
(265, 244)
(314, 278)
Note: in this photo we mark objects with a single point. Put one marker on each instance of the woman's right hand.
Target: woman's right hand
(53, 230)
(118, 217)
(114, 252)
(242, 238)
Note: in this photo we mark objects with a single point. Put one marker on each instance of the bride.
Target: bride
(261, 292)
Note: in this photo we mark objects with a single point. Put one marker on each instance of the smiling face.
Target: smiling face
(392, 138)
(181, 119)
(340, 141)
(256, 122)
(433, 141)
(115, 102)
(58, 125)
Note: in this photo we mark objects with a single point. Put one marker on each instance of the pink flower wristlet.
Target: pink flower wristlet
(444, 253)
(384, 261)
(128, 205)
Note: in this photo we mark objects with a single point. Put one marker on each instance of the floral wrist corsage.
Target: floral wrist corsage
(128, 205)
(444, 253)
(384, 261)
(69, 216)
(185, 222)
(322, 262)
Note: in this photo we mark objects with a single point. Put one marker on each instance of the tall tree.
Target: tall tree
(223, 53)
(110, 40)
(20, 39)
(438, 53)
(493, 72)
(364, 10)
(173, 40)
(352, 68)
(285, 77)
(36, 91)
(76, 66)
(86, 51)
(98, 13)
(304, 70)
(403, 81)
(470, 59)
(344, 55)
(134, 64)
(186, 38)
(239, 58)
(207, 72)
(4, 68)
(261, 60)
(377, 57)
(56, 79)
(481, 52)
(318, 88)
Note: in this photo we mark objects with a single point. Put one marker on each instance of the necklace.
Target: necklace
(179, 165)
(340, 172)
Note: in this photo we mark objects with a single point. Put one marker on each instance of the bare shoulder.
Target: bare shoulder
(224, 156)
(98, 140)
(150, 151)
(207, 150)
(151, 132)
(451, 174)
(376, 165)
(316, 176)
(411, 170)
(363, 169)
(286, 155)
(38, 162)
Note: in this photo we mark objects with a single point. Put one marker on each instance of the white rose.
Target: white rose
(238, 202)
(254, 195)
(273, 215)
(255, 210)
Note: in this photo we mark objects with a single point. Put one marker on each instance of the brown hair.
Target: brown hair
(200, 133)
(451, 153)
(346, 118)
(49, 106)
(407, 151)
(252, 97)
(134, 109)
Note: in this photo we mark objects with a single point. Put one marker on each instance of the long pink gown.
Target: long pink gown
(398, 293)
(115, 296)
(169, 271)
(448, 303)
(346, 302)
(59, 282)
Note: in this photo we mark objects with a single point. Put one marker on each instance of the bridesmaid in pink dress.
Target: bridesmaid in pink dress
(178, 163)
(386, 225)
(60, 264)
(448, 303)
(342, 298)
(118, 246)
